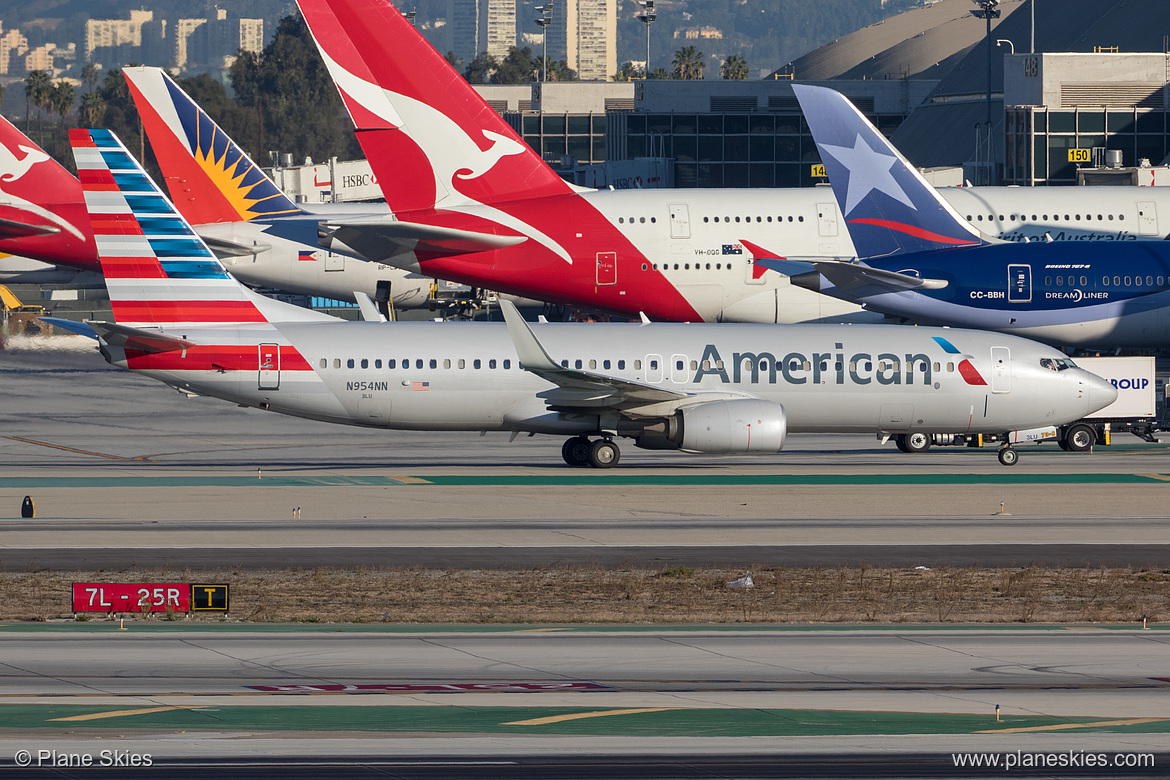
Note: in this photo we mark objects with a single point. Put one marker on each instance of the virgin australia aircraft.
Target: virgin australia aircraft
(922, 261)
(472, 202)
(179, 317)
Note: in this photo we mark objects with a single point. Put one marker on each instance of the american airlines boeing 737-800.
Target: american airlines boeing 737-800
(179, 317)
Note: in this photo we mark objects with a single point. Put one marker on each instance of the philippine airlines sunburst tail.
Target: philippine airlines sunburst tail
(41, 211)
(209, 177)
(889, 207)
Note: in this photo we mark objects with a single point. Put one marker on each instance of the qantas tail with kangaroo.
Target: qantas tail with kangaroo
(42, 214)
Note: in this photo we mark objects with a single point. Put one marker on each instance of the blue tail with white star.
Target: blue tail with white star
(888, 206)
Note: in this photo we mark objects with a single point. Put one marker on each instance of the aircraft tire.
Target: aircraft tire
(1008, 456)
(900, 442)
(575, 451)
(918, 441)
(604, 454)
(1079, 438)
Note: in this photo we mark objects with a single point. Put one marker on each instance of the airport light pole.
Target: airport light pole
(544, 21)
(647, 18)
(987, 10)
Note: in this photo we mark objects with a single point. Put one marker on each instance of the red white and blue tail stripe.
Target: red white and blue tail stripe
(158, 271)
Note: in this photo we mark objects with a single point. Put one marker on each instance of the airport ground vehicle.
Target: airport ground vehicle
(18, 317)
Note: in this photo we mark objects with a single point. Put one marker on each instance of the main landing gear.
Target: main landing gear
(600, 454)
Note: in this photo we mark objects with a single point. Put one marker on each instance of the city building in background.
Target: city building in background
(583, 33)
(481, 25)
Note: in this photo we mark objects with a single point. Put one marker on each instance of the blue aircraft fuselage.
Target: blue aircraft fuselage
(1068, 294)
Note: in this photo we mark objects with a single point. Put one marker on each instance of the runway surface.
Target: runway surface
(125, 471)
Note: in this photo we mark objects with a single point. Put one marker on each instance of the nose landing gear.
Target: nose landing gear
(600, 454)
(1008, 456)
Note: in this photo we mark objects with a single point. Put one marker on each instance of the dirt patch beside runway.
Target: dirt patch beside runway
(593, 594)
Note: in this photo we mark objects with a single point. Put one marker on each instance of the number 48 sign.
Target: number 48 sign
(148, 597)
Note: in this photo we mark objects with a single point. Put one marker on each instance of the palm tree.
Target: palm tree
(688, 63)
(91, 76)
(627, 72)
(734, 68)
(93, 107)
(36, 93)
(61, 100)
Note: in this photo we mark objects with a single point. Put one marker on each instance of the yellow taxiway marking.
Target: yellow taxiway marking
(580, 715)
(1162, 477)
(69, 449)
(122, 713)
(412, 480)
(1062, 726)
(537, 630)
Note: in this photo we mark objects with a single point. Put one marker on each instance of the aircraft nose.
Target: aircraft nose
(1100, 393)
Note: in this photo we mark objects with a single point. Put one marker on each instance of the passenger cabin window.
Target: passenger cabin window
(337, 362)
(324, 362)
(621, 365)
(637, 365)
(446, 363)
(365, 363)
(507, 364)
(349, 363)
(476, 364)
(492, 363)
(418, 363)
(462, 363)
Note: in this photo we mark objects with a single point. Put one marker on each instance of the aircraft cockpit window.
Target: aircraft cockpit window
(1048, 363)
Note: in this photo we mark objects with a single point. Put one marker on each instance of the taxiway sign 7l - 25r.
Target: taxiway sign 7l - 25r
(179, 317)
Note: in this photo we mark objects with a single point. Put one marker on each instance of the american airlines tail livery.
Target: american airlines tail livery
(924, 262)
(472, 202)
(180, 318)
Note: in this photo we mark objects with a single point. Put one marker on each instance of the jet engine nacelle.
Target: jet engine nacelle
(740, 425)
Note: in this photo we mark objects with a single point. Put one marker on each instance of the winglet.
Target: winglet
(888, 206)
(528, 349)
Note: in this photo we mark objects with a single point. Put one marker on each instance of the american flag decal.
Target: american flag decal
(420, 385)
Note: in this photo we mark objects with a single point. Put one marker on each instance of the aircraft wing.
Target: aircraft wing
(138, 339)
(381, 240)
(579, 390)
(10, 228)
(843, 274)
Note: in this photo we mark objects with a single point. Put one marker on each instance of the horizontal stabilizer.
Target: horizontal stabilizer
(12, 229)
(843, 274)
(225, 248)
(80, 328)
(384, 239)
(138, 339)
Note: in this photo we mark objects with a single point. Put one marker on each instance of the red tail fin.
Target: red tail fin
(42, 211)
(430, 138)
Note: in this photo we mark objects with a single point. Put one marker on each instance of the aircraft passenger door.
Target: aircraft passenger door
(334, 262)
(1019, 283)
(827, 219)
(606, 268)
(654, 368)
(678, 369)
(1147, 218)
(1001, 370)
(269, 378)
(680, 221)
